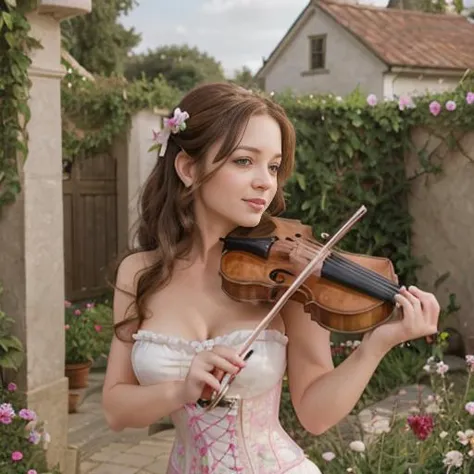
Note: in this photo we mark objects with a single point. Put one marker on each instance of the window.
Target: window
(317, 52)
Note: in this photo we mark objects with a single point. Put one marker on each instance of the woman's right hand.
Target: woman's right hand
(201, 371)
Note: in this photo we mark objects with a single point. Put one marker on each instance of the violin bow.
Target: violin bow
(305, 273)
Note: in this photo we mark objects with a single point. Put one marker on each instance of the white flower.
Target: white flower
(443, 434)
(453, 458)
(328, 456)
(432, 408)
(427, 368)
(441, 368)
(465, 436)
(357, 446)
(469, 407)
(356, 343)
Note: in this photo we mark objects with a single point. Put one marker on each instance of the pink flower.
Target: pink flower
(32, 471)
(12, 387)
(421, 425)
(67, 304)
(470, 98)
(17, 456)
(6, 413)
(470, 362)
(77, 312)
(177, 122)
(90, 305)
(34, 437)
(435, 108)
(372, 100)
(66, 327)
(441, 368)
(27, 414)
(450, 105)
(98, 328)
(405, 102)
(469, 407)
(174, 125)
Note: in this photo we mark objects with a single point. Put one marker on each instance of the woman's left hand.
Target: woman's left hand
(419, 319)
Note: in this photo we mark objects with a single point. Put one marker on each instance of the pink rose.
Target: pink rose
(435, 108)
(450, 105)
(17, 456)
(470, 98)
(372, 100)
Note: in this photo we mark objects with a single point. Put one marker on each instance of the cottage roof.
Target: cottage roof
(403, 38)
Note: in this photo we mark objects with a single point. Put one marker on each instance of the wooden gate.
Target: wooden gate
(90, 225)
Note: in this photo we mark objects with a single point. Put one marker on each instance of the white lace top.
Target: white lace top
(244, 437)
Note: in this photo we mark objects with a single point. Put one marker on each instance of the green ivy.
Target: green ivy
(351, 153)
(15, 44)
(95, 112)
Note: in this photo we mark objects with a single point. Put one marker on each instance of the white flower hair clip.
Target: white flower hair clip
(174, 125)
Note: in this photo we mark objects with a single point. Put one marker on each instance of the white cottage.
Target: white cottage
(334, 46)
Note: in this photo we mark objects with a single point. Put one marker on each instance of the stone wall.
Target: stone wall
(442, 207)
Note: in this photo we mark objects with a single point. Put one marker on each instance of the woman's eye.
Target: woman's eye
(242, 161)
(274, 168)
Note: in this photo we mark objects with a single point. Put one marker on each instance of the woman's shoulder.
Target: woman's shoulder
(131, 267)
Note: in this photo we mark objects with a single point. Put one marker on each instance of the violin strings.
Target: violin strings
(359, 271)
(368, 276)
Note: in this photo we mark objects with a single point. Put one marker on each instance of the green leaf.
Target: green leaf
(8, 20)
(301, 181)
(10, 38)
(334, 134)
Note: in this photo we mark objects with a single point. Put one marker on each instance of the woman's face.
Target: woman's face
(245, 185)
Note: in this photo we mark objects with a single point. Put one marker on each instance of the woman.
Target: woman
(225, 155)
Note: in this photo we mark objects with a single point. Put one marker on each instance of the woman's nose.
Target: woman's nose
(264, 180)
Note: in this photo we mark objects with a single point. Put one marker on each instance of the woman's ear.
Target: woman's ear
(185, 167)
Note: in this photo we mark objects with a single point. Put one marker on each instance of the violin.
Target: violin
(348, 293)
(343, 292)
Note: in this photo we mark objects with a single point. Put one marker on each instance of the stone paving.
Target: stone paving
(102, 451)
(149, 456)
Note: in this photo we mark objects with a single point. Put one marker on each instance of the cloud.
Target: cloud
(181, 30)
(220, 6)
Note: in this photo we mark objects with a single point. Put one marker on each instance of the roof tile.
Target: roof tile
(408, 38)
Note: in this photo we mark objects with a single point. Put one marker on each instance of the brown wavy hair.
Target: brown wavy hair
(166, 224)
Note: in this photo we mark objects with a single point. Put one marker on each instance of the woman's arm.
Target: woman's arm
(323, 395)
(126, 404)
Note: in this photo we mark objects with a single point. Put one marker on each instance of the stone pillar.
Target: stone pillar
(31, 239)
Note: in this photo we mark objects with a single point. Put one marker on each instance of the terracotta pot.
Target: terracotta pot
(78, 374)
(73, 402)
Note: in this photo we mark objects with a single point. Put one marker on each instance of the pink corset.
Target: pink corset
(245, 436)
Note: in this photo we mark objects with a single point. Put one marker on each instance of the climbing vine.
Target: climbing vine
(351, 152)
(96, 111)
(15, 44)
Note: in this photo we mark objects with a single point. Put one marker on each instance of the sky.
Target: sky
(234, 32)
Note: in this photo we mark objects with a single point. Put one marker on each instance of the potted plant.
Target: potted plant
(82, 345)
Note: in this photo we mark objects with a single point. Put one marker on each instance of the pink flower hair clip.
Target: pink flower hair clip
(174, 125)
